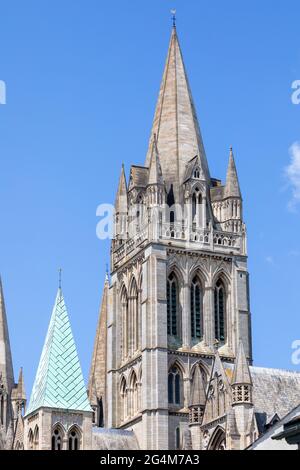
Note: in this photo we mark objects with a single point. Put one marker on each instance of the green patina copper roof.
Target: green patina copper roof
(59, 381)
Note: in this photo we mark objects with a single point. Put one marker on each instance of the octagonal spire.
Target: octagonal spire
(59, 381)
(175, 122)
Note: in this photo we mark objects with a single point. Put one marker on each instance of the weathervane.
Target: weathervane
(174, 17)
(59, 278)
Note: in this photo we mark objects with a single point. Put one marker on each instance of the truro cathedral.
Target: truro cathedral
(172, 361)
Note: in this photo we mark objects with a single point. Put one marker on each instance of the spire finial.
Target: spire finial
(173, 11)
(59, 278)
(107, 273)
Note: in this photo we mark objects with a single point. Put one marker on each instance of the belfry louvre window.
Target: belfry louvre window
(196, 309)
(56, 440)
(73, 440)
(220, 311)
(172, 305)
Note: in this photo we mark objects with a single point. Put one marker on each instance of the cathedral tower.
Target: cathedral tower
(179, 279)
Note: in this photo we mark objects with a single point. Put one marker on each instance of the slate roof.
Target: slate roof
(59, 381)
(139, 176)
(274, 391)
(114, 439)
(217, 193)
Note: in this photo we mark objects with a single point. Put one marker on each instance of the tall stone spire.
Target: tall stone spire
(175, 121)
(232, 188)
(6, 364)
(97, 378)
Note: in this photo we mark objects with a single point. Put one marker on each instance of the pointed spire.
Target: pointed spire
(175, 122)
(21, 394)
(59, 381)
(155, 172)
(6, 365)
(121, 204)
(241, 373)
(97, 377)
(232, 188)
(198, 393)
(92, 392)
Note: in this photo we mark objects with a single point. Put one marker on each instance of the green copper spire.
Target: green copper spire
(59, 382)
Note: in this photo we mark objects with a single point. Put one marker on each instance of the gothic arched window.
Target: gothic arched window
(174, 386)
(196, 202)
(172, 305)
(220, 311)
(197, 173)
(133, 319)
(196, 309)
(30, 440)
(36, 438)
(73, 439)
(124, 307)
(123, 393)
(218, 441)
(134, 394)
(57, 440)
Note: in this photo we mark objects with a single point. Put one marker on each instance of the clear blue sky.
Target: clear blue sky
(82, 82)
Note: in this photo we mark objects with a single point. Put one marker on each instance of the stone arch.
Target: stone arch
(30, 439)
(176, 384)
(57, 437)
(74, 438)
(174, 267)
(36, 438)
(221, 287)
(133, 327)
(196, 300)
(123, 398)
(174, 304)
(124, 320)
(133, 388)
(201, 272)
(177, 362)
(122, 379)
(217, 440)
(203, 367)
(221, 273)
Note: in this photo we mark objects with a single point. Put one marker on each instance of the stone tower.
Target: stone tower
(179, 279)
(59, 416)
(12, 395)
